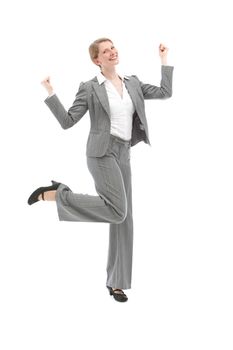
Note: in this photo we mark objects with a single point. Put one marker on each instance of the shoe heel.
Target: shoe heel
(110, 290)
(54, 182)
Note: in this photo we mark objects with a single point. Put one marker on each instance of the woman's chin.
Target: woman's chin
(113, 63)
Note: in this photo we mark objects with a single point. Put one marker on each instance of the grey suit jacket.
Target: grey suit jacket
(92, 96)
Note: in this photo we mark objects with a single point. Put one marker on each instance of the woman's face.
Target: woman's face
(108, 55)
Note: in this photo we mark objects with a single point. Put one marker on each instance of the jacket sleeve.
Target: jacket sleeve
(75, 112)
(165, 88)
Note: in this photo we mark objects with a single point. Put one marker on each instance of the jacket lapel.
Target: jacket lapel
(129, 84)
(102, 96)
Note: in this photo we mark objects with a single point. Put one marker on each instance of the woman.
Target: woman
(118, 121)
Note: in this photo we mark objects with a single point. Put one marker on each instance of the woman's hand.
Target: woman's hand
(163, 50)
(47, 85)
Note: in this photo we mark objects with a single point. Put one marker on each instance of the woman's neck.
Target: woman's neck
(110, 74)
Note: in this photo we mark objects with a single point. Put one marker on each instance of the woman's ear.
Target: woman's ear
(97, 62)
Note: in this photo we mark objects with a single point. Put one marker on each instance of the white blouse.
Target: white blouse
(121, 109)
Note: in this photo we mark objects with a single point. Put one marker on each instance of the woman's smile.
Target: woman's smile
(115, 57)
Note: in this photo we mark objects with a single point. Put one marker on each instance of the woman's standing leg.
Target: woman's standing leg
(120, 254)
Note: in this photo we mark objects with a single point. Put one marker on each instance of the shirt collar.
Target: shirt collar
(101, 78)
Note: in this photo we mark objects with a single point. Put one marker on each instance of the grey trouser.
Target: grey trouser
(113, 204)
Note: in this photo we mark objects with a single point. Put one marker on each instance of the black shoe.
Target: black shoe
(34, 196)
(118, 294)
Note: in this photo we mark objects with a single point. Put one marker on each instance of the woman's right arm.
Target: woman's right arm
(75, 112)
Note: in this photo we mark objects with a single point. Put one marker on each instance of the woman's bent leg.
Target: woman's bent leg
(109, 206)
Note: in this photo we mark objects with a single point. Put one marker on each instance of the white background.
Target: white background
(52, 273)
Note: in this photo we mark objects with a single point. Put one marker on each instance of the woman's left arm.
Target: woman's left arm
(165, 89)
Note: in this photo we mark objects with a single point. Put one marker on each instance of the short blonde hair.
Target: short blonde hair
(94, 47)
